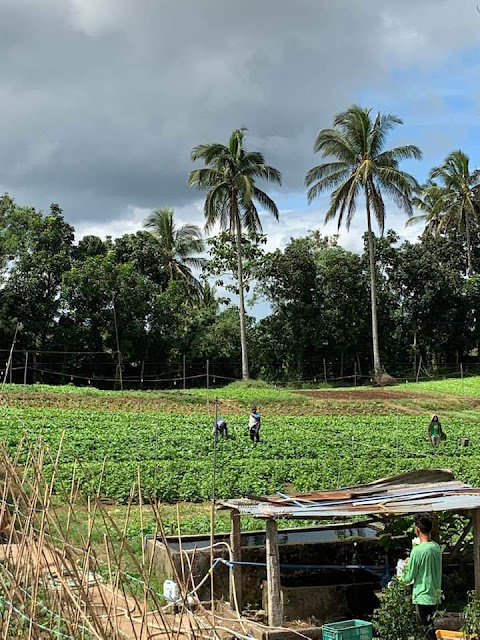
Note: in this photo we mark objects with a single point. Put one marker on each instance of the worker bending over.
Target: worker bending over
(220, 428)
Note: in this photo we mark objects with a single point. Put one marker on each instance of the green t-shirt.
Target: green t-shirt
(425, 570)
(435, 429)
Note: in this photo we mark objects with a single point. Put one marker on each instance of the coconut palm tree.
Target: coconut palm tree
(362, 167)
(229, 178)
(463, 198)
(431, 200)
(179, 247)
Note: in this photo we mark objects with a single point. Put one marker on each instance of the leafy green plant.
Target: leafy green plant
(395, 618)
(471, 616)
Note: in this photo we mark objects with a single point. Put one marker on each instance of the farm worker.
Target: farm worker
(254, 425)
(435, 433)
(220, 428)
(424, 569)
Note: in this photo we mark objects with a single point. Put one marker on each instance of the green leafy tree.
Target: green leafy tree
(312, 278)
(216, 336)
(145, 253)
(223, 259)
(432, 311)
(229, 178)
(362, 167)
(179, 247)
(40, 252)
(463, 196)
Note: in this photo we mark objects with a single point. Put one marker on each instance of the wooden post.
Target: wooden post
(476, 548)
(325, 370)
(26, 368)
(418, 370)
(275, 604)
(184, 373)
(236, 570)
(119, 353)
(208, 374)
(435, 529)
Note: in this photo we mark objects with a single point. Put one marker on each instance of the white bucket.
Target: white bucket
(171, 591)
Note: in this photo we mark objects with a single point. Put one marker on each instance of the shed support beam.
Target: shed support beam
(236, 570)
(435, 528)
(476, 548)
(275, 604)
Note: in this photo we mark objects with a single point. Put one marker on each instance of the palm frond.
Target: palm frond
(325, 169)
(376, 200)
(216, 202)
(332, 143)
(251, 220)
(344, 196)
(195, 263)
(267, 173)
(208, 152)
(328, 182)
(415, 220)
(405, 152)
(266, 202)
(382, 126)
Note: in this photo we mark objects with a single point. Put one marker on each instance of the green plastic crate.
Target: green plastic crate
(348, 630)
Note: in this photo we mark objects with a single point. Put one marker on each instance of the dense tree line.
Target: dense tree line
(132, 309)
(79, 297)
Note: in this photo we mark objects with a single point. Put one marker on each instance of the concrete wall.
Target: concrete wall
(338, 552)
(327, 603)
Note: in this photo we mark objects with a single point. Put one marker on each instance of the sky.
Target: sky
(101, 101)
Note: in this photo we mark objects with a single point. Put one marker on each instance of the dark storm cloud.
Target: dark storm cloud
(101, 101)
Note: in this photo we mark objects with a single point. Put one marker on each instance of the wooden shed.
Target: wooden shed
(428, 490)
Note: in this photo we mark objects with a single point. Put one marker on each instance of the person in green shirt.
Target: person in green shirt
(435, 432)
(424, 569)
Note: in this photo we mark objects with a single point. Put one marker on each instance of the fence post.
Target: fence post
(355, 372)
(418, 370)
(119, 353)
(26, 368)
(208, 374)
(184, 380)
(325, 370)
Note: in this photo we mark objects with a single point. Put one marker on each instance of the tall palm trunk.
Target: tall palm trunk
(373, 292)
(243, 327)
(469, 247)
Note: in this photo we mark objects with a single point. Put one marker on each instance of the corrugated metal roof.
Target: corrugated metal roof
(412, 492)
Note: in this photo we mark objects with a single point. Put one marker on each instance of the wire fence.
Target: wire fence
(107, 370)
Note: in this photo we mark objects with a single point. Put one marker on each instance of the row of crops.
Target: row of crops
(175, 453)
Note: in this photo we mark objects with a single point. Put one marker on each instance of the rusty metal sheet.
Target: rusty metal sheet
(426, 490)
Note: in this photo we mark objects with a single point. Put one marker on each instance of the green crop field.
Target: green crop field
(316, 439)
(174, 449)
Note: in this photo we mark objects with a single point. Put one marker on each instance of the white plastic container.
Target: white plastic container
(171, 591)
(400, 567)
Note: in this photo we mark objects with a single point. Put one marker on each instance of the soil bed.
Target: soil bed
(362, 395)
